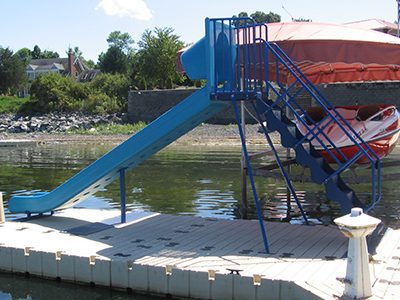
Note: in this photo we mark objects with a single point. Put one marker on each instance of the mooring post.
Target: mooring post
(2, 216)
(122, 191)
(356, 226)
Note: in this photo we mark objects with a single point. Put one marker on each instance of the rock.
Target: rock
(52, 122)
(24, 127)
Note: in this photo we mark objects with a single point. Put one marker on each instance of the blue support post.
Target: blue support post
(250, 173)
(122, 194)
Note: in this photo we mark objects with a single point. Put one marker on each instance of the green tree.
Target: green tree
(49, 54)
(242, 14)
(261, 17)
(123, 41)
(114, 61)
(12, 72)
(37, 53)
(25, 55)
(90, 63)
(155, 60)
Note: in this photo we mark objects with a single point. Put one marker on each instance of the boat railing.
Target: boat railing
(391, 109)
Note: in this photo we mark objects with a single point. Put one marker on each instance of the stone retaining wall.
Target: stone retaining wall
(362, 93)
(148, 105)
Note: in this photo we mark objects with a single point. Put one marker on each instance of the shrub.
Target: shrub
(100, 103)
(116, 86)
(54, 92)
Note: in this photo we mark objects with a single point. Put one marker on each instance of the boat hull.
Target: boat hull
(380, 130)
(381, 147)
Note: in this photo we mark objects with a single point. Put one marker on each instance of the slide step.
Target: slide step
(306, 156)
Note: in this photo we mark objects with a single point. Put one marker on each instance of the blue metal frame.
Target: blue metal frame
(282, 168)
(122, 193)
(254, 55)
(363, 147)
(250, 174)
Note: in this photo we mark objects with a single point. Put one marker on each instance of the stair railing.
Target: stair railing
(335, 117)
(251, 76)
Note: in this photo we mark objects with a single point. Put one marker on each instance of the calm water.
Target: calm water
(201, 181)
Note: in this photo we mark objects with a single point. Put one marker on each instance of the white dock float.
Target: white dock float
(191, 257)
(17, 143)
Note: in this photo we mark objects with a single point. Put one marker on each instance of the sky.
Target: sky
(57, 25)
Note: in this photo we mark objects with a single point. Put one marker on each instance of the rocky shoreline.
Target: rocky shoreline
(57, 128)
(50, 123)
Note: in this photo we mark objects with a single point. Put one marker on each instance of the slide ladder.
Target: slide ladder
(259, 78)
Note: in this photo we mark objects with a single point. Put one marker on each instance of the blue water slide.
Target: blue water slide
(199, 63)
(180, 119)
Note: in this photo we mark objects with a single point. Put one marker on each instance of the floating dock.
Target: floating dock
(192, 257)
(17, 143)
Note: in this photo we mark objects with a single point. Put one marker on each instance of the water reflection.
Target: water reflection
(22, 288)
(202, 181)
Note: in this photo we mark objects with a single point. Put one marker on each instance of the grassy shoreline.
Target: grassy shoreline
(12, 104)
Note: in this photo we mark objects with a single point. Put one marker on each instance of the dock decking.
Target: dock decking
(190, 256)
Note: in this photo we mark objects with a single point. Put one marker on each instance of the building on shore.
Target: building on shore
(68, 66)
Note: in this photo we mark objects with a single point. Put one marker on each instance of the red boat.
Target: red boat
(378, 125)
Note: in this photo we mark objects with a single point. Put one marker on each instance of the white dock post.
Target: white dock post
(2, 216)
(356, 226)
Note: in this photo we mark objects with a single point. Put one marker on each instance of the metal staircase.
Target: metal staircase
(258, 76)
(306, 155)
